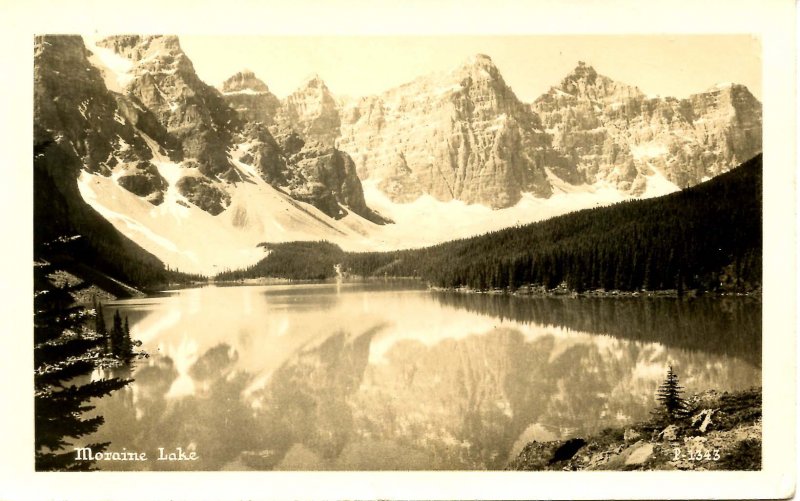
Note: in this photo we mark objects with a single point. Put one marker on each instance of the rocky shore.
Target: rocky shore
(721, 431)
(563, 291)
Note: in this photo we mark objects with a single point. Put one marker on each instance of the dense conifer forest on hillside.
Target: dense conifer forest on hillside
(707, 237)
(293, 260)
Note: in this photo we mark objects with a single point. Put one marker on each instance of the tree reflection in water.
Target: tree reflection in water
(375, 398)
(686, 323)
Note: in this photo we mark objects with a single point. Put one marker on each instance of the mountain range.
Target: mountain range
(197, 176)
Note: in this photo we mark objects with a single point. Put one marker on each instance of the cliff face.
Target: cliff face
(292, 142)
(462, 135)
(614, 133)
(312, 112)
(147, 106)
(335, 171)
(163, 80)
(185, 121)
(250, 97)
(93, 126)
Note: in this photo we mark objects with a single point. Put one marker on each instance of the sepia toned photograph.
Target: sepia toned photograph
(398, 253)
(422, 250)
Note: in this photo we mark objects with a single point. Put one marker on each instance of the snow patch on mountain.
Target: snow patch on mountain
(428, 221)
(648, 150)
(184, 238)
(116, 69)
(249, 92)
(190, 239)
(657, 184)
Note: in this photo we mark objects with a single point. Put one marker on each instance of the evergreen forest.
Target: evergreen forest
(707, 237)
(67, 352)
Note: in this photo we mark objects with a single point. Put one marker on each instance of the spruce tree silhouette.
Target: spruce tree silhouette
(65, 353)
(120, 338)
(670, 395)
(100, 324)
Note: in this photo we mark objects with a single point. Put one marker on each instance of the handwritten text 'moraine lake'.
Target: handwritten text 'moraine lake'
(178, 454)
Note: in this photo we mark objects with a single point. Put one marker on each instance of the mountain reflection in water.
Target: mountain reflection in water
(367, 377)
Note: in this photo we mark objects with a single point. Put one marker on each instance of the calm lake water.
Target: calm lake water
(391, 376)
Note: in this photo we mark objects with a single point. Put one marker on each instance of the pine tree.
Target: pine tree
(64, 352)
(669, 394)
(117, 337)
(127, 343)
(100, 325)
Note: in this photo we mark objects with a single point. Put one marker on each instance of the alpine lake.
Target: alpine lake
(388, 375)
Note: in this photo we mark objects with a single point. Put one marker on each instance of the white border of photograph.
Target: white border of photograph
(773, 21)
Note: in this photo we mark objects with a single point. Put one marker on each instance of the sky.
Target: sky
(673, 65)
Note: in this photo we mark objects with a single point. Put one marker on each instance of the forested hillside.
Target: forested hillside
(292, 260)
(706, 237)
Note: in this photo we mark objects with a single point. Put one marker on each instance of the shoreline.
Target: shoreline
(299, 281)
(722, 431)
(522, 292)
(541, 291)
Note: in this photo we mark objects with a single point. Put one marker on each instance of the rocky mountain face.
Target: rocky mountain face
(128, 105)
(464, 134)
(250, 97)
(163, 80)
(76, 114)
(614, 133)
(294, 143)
(312, 112)
(461, 135)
